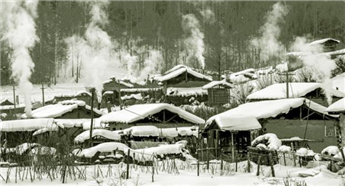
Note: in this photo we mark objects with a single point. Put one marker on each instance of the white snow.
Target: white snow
(168, 132)
(235, 123)
(80, 93)
(322, 41)
(185, 92)
(178, 70)
(59, 109)
(140, 89)
(284, 148)
(97, 132)
(27, 125)
(132, 96)
(142, 131)
(305, 152)
(338, 106)
(243, 76)
(103, 147)
(141, 111)
(261, 109)
(330, 151)
(270, 140)
(221, 83)
(278, 91)
(338, 82)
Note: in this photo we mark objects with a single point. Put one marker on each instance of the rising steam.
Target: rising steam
(268, 43)
(193, 43)
(320, 64)
(18, 26)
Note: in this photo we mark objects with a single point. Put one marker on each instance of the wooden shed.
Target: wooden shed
(295, 117)
(218, 92)
(229, 136)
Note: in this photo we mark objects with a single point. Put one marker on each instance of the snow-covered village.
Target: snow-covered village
(140, 93)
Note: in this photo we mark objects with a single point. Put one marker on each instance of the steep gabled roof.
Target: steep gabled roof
(138, 112)
(178, 70)
(337, 107)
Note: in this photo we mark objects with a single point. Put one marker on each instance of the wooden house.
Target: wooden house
(133, 96)
(81, 95)
(327, 44)
(229, 135)
(218, 92)
(68, 109)
(295, 117)
(9, 111)
(111, 91)
(311, 91)
(182, 83)
(161, 115)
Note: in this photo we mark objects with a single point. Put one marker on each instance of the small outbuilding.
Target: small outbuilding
(218, 92)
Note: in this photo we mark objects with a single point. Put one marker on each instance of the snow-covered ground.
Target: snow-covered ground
(186, 174)
(66, 89)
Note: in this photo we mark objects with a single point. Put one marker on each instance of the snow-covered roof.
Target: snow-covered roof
(278, 91)
(140, 89)
(337, 107)
(217, 83)
(122, 82)
(322, 41)
(338, 82)
(27, 125)
(336, 53)
(235, 123)
(142, 131)
(180, 69)
(138, 112)
(82, 92)
(97, 132)
(185, 92)
(269, 109)
(59, 109)
(85, 123)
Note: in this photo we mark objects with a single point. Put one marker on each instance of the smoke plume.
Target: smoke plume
(19, 32)
(321, 64)
(268, 42)
(193, 42)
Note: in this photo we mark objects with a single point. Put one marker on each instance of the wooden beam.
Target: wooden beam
(232, 147)
(171, 118)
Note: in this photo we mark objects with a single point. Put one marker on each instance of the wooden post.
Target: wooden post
(217, 142)
(153, 170)
(284, 159)
(258, 170)
(91, 124)
(248, 161)
(197, 166)
(43, 94)
(14, 97)
(271, 164)
(294, 159)
(232, 147)
(236, 163)
(287, 84)
(127, 175)
(207, 156)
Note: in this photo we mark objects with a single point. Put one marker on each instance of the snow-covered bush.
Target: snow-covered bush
(305, 152)
(270, 140)
(330, 151)
(284, 148)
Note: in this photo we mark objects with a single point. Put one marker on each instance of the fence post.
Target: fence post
(248, 161)
(271, 163)
(197, 162)
(284, 159)
(153, 169)
(127, 175)
(208, 157)
(258, 170)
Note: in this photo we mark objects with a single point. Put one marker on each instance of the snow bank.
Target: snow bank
(284, 148)
(270, 140)
(305, 152)
(28, 125)
(97, 132)
(132, 96)
(186, 92)
(222, 83)
(142, 131)
(330, 151)
(168, 132)
(103, 147)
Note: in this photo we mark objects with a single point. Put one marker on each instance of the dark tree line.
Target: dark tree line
(158, 25)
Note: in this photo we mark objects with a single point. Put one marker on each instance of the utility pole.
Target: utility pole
(91, 125)
(287, 83)
(43, 102)
(14, 96)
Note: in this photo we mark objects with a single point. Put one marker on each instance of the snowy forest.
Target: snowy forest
(210, 35)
